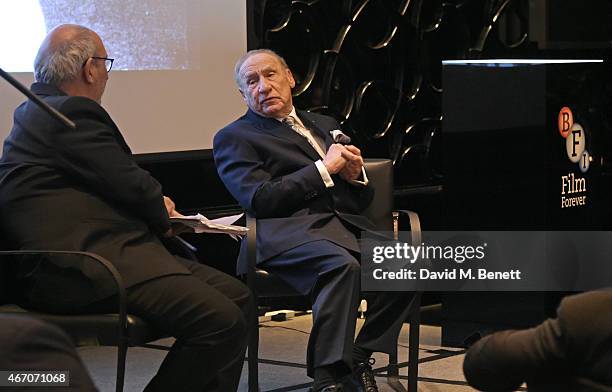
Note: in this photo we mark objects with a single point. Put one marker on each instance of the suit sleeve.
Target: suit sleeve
(504, 360)
(242, 171)
(92, 154)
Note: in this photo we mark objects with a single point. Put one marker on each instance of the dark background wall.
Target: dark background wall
(375, 65)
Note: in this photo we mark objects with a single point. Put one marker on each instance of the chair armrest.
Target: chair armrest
(251, 248)
(122, 299)
(415, 224)
(179, 247)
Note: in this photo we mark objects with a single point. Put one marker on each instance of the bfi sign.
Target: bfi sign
(575, 145)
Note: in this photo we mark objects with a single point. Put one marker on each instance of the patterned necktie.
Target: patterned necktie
(297, 127)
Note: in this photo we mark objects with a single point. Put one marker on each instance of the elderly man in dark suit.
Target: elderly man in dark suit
(283, 166)
(81, 190)
(572, 352)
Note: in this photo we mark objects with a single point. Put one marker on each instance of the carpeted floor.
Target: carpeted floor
(439, 370)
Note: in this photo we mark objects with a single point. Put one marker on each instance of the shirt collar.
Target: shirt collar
(293, 114)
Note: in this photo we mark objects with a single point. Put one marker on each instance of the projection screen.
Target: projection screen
(171, 87)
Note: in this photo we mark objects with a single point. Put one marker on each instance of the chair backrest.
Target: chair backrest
(380, 175)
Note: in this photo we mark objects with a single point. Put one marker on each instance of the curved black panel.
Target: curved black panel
(338, 85)
(375, 65)
(303, 59)
(449, 41)
(276, 14)
(376, 104)
(374, 26)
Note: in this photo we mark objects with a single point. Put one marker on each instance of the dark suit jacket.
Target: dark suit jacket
(270, 170)
(80, 190)
(570, 353)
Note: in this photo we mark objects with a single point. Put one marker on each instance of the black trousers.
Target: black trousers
(206, 312)
(332, 276)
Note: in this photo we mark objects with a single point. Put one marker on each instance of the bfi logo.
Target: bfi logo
(575, 139)
(575, 145)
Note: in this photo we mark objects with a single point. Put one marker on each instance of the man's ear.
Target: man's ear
(242, 94)
(88, 75)
(290, 78)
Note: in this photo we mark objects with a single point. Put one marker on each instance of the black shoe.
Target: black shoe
(364, 375)
(329, 388)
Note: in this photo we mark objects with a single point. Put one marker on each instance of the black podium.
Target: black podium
(526, 146)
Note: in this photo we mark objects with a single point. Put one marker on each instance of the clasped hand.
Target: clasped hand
(344, 160)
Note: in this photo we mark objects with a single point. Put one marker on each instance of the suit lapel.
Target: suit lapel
(275, 128)
(311, 123)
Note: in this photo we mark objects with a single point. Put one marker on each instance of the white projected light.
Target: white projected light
(172, 84)
(139, 34)
(145, 35)
(22, 28)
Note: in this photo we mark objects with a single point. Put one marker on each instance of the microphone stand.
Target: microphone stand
(25, 91)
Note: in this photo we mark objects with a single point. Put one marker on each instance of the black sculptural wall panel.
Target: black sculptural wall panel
(375, 65)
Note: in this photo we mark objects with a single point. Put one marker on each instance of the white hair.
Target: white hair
(64, 62)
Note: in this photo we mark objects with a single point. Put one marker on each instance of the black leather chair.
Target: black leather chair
(265, 285)
(120, 329)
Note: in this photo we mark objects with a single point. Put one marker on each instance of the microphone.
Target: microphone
(340, 137)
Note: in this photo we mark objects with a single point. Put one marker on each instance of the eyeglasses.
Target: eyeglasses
(108, 62)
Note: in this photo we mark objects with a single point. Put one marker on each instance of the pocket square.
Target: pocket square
(340, 137)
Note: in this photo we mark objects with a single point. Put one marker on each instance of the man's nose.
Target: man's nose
(263, 85)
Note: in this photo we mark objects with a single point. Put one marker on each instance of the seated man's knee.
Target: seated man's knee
(348, 269)
(237, 291)
(353, 266)
(244, 297)
(230, 323)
